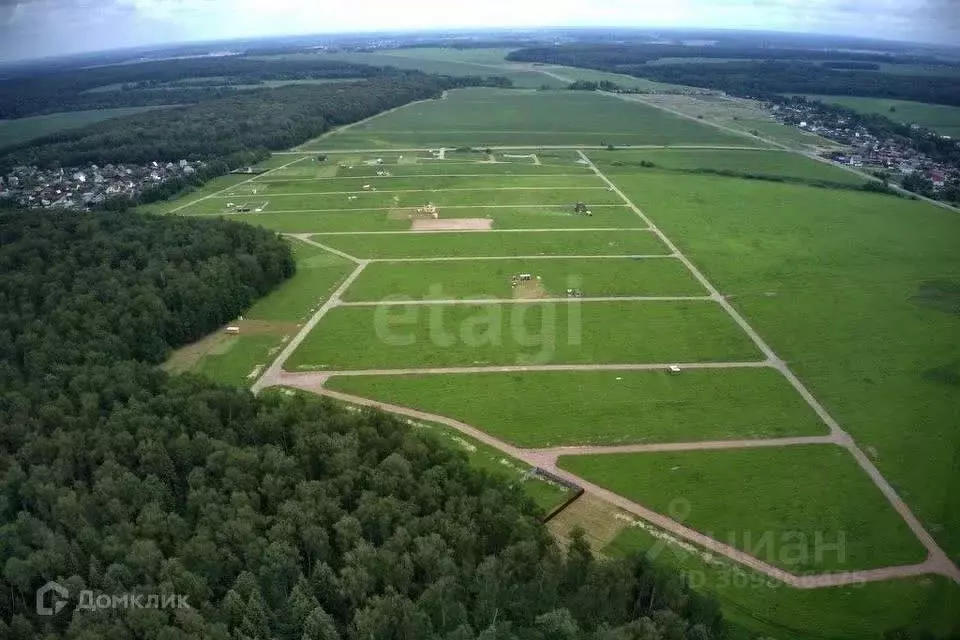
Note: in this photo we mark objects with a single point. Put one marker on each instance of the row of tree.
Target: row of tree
(274, 517)
(243, 121)
(772, 72)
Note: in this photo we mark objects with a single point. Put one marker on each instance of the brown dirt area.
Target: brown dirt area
(531, 290)
(597, 518)
(452, 224)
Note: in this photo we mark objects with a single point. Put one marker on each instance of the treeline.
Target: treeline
(640, 53)
(755, 78)
(221, 129)
(275, 517)
(69, 90)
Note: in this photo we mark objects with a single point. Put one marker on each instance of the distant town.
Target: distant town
(897, 159)
(87, 187)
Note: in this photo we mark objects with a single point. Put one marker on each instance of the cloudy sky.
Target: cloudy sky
(33, 28)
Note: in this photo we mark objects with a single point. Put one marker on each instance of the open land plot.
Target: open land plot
(755, 606)
(943, 119)
(404, 336)
(238, 359)
(568, 408)
(592, 196)
(313, 170)
(479, 244)
(22, 130)
(549, 278)
(766, 163)
(857, 292)
(806, 509)
(275, 186)
(746, 116)
(536, 217)
(516, 118)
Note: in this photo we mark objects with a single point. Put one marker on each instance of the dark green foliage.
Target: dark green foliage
(276, 517)
(245, 121)
(942, 295)
(760, 71)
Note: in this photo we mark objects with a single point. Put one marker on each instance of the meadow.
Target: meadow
(853, 290)
(755, 606)
(492, 279)
(480, 244)
(771, 164)
(502, 218)
(407, 336)
(272, 186)
(943, 119)
(782, 505)
(13, 132)
(567, 408)
(517, 118)
(234, 359)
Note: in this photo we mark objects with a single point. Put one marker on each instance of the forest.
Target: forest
(240, 122)
(270, 517)
(775, 73)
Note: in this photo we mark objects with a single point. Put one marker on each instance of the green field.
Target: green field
(772, 164)
(783, 505)
(479, 244)
(755, 606)
(233, 359)
(394, 337)
(515, 118)
(528, 217)
(835, 281)
(549, 409)
(13, 132)
(492, 279)
(354, 166)
(943, 119)
(275, 186)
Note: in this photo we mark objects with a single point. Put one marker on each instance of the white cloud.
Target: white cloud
(34, 27)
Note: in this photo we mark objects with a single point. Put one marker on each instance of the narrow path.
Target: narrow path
(659, 520)
(937, 557)
(538, 147)
(270, 376)
(444, 190)
(318, 378)
(234, 186)
(308, 238)
(481, 301)
(540, 257)
(422, 232)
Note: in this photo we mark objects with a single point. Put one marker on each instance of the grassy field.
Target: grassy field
(857, 292)
(275, 186)
(770, 163)
(13, 132)
(354, 166)
(754, 606)
(235, 359)
(545, 409)
(943, 119)
(782, 505)
(530, 217)
(492, 279)
(518, 334)
(472, 244)
(504, 117)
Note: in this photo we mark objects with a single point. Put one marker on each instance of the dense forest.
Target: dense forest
(274, 517)
(243, 121)
(776, 72)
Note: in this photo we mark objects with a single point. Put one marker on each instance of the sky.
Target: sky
(40, 28)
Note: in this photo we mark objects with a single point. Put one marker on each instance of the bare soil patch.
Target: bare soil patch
(598, 519)
(452, 224)
(530, 290)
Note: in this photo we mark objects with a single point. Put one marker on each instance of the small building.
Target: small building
(674, 369)
(233, 330)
